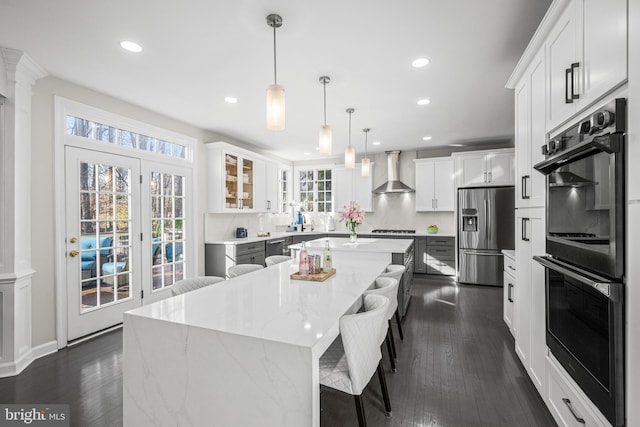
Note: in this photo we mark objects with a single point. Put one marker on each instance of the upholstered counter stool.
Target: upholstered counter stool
(276, 259)
(352, 359)
(396, 271)
(387, 287)
(240, 269)
(193, 283)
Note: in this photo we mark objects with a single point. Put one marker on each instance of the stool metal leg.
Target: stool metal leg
(399, 326)
(362, 420)
(385, 391)
(393, 341)
(392, 360)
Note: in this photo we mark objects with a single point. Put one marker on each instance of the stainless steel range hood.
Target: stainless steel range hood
(393, 184)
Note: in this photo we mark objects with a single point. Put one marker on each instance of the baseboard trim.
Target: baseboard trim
(12, 369)
(45, 349)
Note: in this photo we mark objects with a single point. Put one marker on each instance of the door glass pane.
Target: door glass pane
(247, 184)
(168, 229)
(231, 181)
(105, 224)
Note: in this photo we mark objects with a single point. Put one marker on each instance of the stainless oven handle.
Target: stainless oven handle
(573, 412)
(599, 144)
(602, 287)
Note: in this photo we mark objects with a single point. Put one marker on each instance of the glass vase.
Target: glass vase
(353, 237)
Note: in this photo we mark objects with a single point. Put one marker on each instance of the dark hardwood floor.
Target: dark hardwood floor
(456, 367)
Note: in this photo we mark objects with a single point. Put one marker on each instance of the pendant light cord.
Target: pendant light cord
(366, 133)
(350, 129)
(275, 72)
(324, 87)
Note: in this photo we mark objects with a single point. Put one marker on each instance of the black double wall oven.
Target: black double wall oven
(584, 165)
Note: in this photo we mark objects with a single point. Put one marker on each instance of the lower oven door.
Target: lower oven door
(584, 315)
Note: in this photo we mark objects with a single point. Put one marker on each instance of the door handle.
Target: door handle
(509, 297)
(73, 240)
(574, 67)
(568, 97)
(524, 191)
(524, 229)
(73, 254)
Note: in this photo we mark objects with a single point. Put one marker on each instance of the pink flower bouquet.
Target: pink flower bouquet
(352, 217)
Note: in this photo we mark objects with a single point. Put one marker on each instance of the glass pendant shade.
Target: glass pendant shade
(275, 107)
(349, 157)
(325, 139)
(365, 166)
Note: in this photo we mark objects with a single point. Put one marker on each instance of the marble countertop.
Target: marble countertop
(268, 305)
(510, 253)
(362, 244)
(311, 234)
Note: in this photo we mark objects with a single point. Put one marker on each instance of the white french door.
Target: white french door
(127, 237)
(103, 217)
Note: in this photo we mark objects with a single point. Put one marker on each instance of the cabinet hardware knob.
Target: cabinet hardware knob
(73, 254)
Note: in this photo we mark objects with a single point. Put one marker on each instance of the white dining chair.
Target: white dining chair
(276, 259)
(352, 359)
(193, 283)
(396, 271)
(387, 287)
(240, 269)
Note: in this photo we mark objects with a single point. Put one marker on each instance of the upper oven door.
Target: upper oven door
(585, 201)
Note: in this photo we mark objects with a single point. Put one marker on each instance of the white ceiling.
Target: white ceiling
(196, 52)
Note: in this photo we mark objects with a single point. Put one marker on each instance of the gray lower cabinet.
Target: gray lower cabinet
(435, 255)
(219, 257)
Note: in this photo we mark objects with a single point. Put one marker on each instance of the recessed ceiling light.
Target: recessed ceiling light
(231, 100)
(376, 142)
(424, 101)
(420, 62)
(131, 46)
(456, 145)
(426, 138)
(306, 153)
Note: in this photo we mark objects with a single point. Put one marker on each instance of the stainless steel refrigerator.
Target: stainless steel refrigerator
(486, 221)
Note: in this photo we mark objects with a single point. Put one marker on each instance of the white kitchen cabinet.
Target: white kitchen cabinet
(234, 179)
(587, 56)
(272, 186)
(529, 307)
(530, 134)
(350, 187)
(484, 168)
(435, 190)
(567, 402)
(509, 293)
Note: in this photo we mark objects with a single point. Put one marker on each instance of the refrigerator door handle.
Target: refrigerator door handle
(487, 220)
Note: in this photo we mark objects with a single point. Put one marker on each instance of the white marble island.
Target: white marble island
(365, 245)
(243, 352)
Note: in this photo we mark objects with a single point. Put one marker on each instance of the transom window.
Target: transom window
(97, 131)
(315, 190)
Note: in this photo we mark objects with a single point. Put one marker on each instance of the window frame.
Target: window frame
(315, 169)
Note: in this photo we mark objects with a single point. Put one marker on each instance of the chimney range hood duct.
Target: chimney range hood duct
(393, 184)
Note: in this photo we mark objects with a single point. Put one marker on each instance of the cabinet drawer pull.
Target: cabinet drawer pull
(511, 267)
(509, 297)
(573, 412)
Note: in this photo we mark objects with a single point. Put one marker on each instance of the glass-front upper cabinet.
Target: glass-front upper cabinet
(231, 178)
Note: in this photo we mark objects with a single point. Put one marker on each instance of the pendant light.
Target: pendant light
(325, 130)
(365, 162)
(275, 92)
(350, 152)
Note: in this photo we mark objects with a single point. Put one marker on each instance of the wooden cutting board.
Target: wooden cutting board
(320, 277)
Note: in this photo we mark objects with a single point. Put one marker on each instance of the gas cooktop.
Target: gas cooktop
(382, 230)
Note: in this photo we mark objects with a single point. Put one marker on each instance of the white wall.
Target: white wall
(43, 299)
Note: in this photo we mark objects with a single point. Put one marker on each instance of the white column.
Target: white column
(19, 72)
